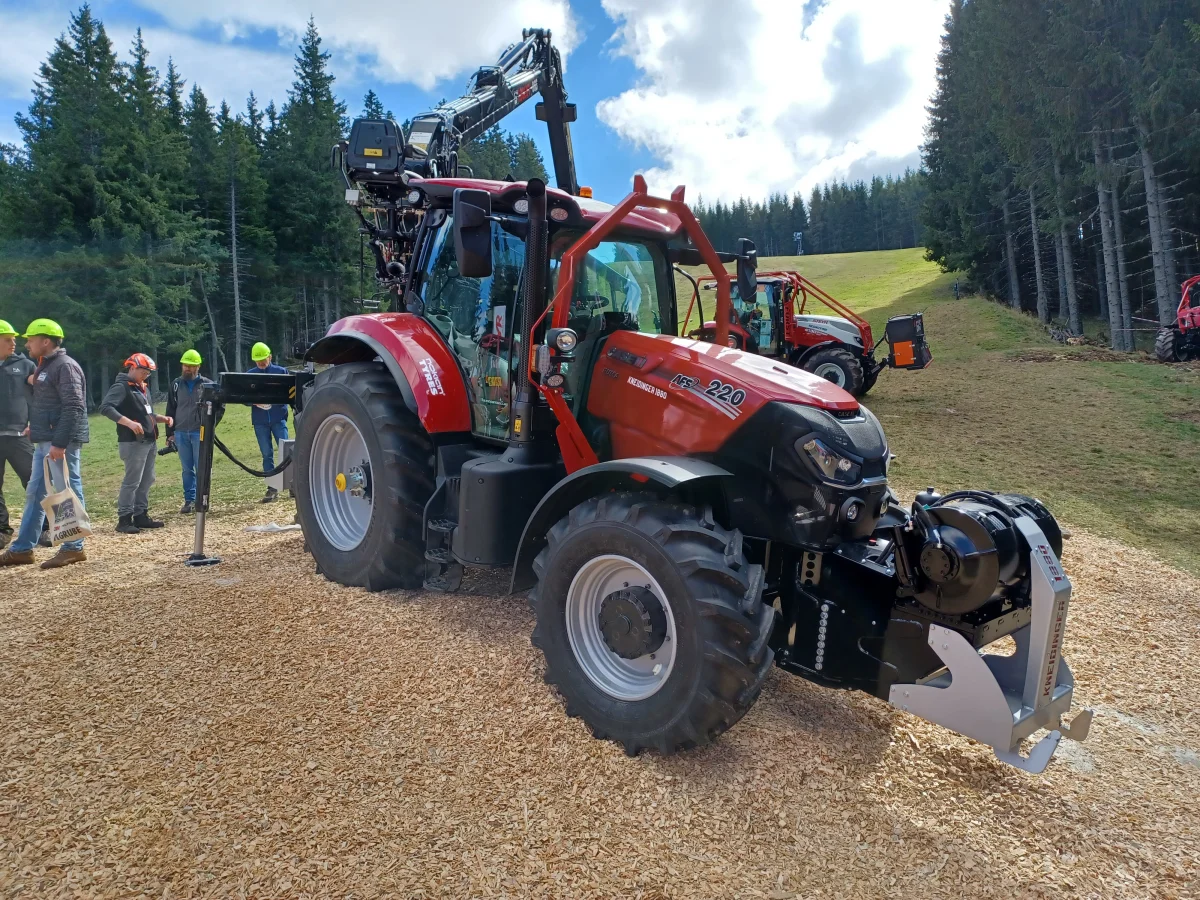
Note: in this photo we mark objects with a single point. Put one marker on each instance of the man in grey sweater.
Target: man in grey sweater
(58, 428)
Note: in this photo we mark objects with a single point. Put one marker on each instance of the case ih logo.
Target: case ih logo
(432, 379)
(648, 388)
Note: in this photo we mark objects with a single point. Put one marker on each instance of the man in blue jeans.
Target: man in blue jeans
(183, 407)
(269, 421)
(58, 427)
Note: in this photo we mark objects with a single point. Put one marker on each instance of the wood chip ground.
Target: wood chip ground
(252, 730)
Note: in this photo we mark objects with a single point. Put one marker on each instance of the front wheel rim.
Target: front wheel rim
(623, 679)
(831, 372)
(339, 482)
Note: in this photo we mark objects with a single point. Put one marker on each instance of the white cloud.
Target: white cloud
(746, 97)
(422, 44)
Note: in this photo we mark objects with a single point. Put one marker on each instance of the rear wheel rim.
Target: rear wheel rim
(343, 505)
(623, 679)
(831, 372)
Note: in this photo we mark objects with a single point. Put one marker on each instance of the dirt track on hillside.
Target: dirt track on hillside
(253, 730)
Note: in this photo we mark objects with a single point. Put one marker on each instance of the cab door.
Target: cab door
(477, 318)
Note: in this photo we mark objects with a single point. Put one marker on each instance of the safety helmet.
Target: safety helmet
(7, 330)
(140, 361)
(259, 351)
(43, 328)
(191, 358)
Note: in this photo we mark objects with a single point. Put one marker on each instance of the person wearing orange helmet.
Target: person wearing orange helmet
(129, 404)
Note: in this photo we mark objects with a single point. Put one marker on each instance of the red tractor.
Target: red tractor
(840, 348)
(1181, 341)
(685, 515)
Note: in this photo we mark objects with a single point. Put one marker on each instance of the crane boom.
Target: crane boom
(529, 67)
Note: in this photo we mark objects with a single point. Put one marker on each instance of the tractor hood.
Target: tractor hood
(772, 379)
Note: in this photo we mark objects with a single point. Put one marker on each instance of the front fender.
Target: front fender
(667, 473)
(424, 367)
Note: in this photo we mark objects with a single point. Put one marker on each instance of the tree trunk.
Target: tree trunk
(1014, 289)
(217, 351)
(1119, 237)
(1074, 322)
(1111, 275)
(1174, 282)
(1043, 303)
(1166, 311)
(326, 321)
(237, 294)
(1062, 278)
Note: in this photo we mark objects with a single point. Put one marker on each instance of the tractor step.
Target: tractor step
(440, 555)
(446, 582)
(445, 526)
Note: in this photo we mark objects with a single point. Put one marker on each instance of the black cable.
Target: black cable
(245, 468)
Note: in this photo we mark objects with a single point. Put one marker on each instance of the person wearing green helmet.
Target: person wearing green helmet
(270, 421)
(58, 428)
(183, 406)
(15, 449)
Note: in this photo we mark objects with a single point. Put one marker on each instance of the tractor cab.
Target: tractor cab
(1180, 341)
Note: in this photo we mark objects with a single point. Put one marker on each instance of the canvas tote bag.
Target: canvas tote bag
(66, 515)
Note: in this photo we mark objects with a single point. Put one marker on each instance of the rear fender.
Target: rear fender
(425, 370)
(657, 473)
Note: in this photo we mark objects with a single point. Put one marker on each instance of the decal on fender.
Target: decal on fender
(432, 379)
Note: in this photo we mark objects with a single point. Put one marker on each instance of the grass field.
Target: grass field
(1111, 443)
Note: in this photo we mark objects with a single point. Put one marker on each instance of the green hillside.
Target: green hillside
(1110, 443)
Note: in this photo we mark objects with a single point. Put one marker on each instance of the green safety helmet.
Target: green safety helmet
(191, 358)
(43, 328)
(7, 330)
(259, 351)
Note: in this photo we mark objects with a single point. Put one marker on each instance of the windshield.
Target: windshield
(627, 278)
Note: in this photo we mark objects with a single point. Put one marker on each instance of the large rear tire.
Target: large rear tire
(707, 627)
(364, 528)
(1166, 345)
(839, 366)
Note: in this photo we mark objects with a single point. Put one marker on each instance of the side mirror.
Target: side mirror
(747, 265)
(473, 232)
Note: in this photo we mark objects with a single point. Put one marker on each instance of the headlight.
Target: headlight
(831, 464)
(564, 339)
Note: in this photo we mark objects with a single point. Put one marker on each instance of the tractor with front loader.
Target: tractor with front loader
(684, 515)
(781, 319)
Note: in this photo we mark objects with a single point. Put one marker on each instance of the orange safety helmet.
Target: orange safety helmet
(140, 361)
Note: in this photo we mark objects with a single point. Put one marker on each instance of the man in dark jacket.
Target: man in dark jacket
(58, 427)
(270, 421)
(183, 407)
(128, 403)
(15, 449)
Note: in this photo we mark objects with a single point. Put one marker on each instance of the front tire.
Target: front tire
(364, 472)
(839, 366)
(707, 626)
(1166, 345)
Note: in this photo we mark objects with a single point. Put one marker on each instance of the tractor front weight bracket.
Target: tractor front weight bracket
(1001, 700)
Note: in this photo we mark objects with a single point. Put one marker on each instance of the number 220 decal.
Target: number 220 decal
(725, 393)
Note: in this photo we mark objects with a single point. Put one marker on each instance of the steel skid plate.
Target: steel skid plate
(1001, 700)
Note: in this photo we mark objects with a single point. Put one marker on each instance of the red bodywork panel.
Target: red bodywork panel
(427, 363)
(670, 396)
(1189, 311)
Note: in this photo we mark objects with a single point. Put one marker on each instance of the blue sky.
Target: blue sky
(730, 97)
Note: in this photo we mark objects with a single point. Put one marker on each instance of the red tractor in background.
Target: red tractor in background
(839, 348)
(1181, 341)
